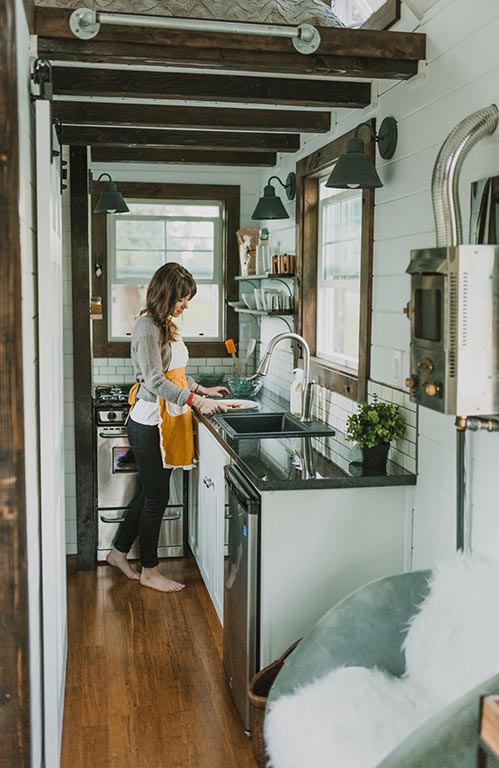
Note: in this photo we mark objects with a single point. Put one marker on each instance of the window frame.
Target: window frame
(229, 196)
(218, 242)
(308, 172)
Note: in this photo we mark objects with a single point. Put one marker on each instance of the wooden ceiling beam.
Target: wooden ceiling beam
(80, 81)
(106, 154)
(166, 116)
(90, 51)
(338, 41)
(77, 135)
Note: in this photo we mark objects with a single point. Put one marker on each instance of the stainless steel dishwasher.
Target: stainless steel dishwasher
(241, 589)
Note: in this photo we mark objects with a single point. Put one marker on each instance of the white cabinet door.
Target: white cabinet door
(211, 516)
(193, 510)
(51, 402)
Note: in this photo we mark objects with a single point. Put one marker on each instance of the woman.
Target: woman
(160, 419)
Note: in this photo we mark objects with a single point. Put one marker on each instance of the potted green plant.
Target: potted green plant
(373, 427)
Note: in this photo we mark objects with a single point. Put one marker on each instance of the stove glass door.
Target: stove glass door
(117, 478)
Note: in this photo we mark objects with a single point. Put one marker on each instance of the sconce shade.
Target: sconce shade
(111, 201)
(354, 169)
(269, 205)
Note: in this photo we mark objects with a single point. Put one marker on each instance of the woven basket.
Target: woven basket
(258, 692)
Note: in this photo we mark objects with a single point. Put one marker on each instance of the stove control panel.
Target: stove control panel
(108, 415)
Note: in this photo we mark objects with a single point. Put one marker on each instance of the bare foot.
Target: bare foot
(153, 578)
(118, 560)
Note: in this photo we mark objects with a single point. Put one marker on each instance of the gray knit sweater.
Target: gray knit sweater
(151, 358)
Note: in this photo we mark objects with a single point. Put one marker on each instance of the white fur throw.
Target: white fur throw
(354, 717)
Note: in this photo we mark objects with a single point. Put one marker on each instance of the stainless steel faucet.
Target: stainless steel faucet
(263, 369)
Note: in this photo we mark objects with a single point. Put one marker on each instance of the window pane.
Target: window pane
(190, 229)
(137, 265)
(199, 264)
(126, 303)
(146, 233)
(201, 319)
(338, 323)
(338, 289)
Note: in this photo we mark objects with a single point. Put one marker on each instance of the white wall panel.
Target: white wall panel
(29, 383)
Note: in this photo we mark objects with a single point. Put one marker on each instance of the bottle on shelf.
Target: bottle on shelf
(263, 254)
(295, 393)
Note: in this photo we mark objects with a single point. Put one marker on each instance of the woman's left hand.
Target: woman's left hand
(216, 391)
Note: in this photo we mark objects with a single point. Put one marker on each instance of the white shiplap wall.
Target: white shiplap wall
(461, 76)
(27, 214)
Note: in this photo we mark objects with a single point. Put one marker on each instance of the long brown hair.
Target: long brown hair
(169, 284)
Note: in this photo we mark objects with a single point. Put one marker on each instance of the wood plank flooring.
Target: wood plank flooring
(145, 685)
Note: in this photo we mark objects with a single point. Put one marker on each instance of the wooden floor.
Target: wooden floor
(145, 685)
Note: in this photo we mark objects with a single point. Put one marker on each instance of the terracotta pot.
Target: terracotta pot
(375, 457)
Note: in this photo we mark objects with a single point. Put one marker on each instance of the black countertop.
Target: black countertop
(298, 463)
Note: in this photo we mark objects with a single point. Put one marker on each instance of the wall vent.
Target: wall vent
(453, 306)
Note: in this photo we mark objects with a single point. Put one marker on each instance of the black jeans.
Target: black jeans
(143, 517)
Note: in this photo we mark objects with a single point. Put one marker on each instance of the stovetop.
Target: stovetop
(112, 394)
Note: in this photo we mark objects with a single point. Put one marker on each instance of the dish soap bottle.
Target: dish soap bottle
(263, 257)
(296, 393)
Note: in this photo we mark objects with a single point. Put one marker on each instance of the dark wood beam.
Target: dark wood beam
(315, 65)
(15, 717)
(78, 135)
(166, 116)
(106, 154)
(338, 41)
(80, 81)
(342, 53)
(86, 517)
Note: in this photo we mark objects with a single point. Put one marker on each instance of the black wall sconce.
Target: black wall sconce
(354, 168)
(111, 201)
(269, 205)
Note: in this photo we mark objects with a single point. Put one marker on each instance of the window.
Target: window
(334, 243)
(338, 276)
(193, 225)
(150, 235)
(374, 14)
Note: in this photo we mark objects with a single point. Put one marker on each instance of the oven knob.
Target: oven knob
(425, 365)
(431, 390)
(411, 382)
(111, 416)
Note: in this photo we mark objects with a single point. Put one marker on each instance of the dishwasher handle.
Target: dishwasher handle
(240, 487)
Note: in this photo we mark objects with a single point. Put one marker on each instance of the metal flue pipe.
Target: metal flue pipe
(449, 232)
(447, 169)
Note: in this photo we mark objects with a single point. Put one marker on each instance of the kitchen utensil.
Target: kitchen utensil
(244, 387)
(250, 349)
(231, 349)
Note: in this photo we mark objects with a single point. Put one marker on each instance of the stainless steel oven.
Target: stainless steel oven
(117, 479)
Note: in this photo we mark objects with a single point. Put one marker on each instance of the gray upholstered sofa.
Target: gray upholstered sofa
(367, 629)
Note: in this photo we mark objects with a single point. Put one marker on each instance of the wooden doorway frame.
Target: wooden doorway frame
(15, 732)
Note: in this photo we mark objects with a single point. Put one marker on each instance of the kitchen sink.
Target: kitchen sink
(241, 425)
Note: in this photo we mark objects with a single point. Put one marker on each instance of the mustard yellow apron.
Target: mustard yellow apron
(176, 439)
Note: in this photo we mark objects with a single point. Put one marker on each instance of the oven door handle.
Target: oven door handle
(170, 518)
(114, 435)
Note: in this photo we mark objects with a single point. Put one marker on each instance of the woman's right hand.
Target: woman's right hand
(208, 406)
